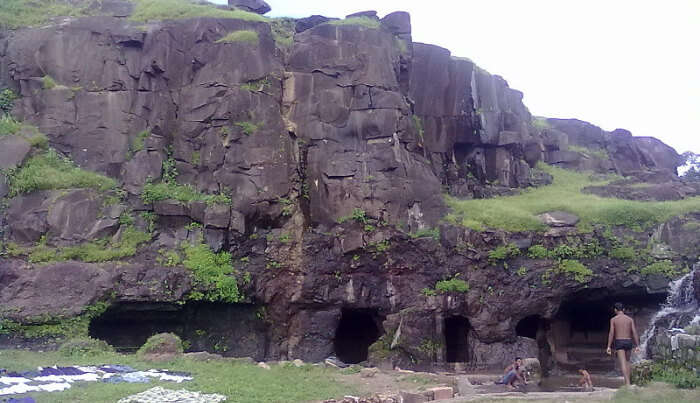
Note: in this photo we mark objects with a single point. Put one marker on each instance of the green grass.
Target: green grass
(147, 10)
(153, 192)
(238, 381)
(49, 170)
(600, 154)
(20, 13)
(361, 21)
(576, 270)
(452, 285)
(102, 250)
(517, 213)
(10, 126)
(245, 36)
(139, 142)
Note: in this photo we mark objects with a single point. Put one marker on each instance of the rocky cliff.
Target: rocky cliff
(277, 189)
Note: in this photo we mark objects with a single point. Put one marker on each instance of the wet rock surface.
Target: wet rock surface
(333, 153)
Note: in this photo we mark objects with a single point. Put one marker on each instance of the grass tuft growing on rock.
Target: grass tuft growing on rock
(588, 152)
(361, 21)
(161, 343)
(50, 170)
(153, 192)
(245, 36)
(101, 250)
(517, 213)
(147, 10)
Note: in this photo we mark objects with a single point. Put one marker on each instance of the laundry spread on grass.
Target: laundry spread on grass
(162, 395)
(53, 379)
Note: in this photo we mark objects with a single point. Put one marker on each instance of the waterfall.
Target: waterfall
(681, 299)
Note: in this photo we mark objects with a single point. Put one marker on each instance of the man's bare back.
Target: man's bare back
(622, 326)
(622, 338)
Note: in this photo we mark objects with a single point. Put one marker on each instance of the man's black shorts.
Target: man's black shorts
(623, 344)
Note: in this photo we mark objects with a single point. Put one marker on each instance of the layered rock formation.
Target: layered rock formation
(352, 123)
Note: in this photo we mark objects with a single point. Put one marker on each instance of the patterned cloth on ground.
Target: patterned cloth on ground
(162, 395)
(51, 379)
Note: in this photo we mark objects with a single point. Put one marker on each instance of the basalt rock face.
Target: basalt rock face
(350, 123)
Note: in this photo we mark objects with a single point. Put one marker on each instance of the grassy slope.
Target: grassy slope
(20, 13)
(240, 382)
(517, 213)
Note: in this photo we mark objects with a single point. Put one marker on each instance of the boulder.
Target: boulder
(13, 151)
(161, 347)
(255, 6)
(398, 22)
(558, 219)
(303, 24)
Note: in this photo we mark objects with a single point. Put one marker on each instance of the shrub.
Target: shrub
(675, 374)
(248, 128)
(537, 252)
(452, 285)
(575, 269)
(84, 346)
(623, 253)
(503, 252)
(663, 267)
(52, 171)
(161, 343)
(48, 83)
(7, 100)
(213, 272)
(361, 21)
(357, 215)
(283, 31)
(245, 36)
(147, 10)
(518, 213)
(138, 143)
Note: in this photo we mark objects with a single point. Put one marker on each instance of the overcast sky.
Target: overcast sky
(633, 64)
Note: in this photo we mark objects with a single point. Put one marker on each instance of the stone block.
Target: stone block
(409, 397)
(442, 392)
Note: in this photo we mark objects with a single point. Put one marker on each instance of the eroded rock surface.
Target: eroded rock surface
(333, 151)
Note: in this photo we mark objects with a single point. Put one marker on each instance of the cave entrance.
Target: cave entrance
(236, 330)
(356, 331)
(579, 331)
(528, 326)
(126, 327)
(456, 339)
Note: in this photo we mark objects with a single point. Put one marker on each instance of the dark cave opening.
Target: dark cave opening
(237, 330)
(127, 326)
(457, 339)
(528, 326)
(356, 331)
(579, 331)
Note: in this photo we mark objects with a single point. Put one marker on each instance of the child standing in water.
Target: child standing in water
(585, 382)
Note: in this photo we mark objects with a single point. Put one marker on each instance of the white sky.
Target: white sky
(633, 64)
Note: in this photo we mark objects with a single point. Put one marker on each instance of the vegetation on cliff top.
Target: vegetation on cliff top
(245, 36)
(22, 13)
(146, 10)
(518, 213)
(361, 21)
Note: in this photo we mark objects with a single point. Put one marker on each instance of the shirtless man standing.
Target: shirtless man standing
(624, 335)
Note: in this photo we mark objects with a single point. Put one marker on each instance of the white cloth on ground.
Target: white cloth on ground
(162, 395)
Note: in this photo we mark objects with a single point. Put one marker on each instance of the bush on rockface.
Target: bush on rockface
(84, 346)
(162, 344)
